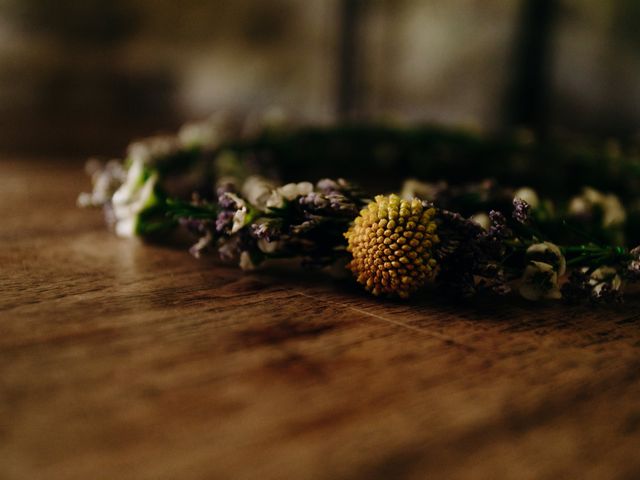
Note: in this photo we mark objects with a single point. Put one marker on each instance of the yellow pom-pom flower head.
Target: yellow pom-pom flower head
(393, 243)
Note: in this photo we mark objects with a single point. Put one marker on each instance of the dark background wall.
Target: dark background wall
(79, 77)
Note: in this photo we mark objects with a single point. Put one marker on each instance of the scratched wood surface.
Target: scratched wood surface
(120, 360)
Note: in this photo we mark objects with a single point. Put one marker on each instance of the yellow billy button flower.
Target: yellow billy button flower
(392, 243)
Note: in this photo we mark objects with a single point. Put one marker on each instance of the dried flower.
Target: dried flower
(549, 253)
(288, 192)
(269, 229)
(492, 243)
(520, 211)
(528, 195)
(392, 243)
(539, 281)
(292, 190)
(224, 221)
(106, 179)
(201, 245)
(240, 215)
(482, 219)
(246, 262)
(459, 254)
(258, 191)
(331, 203)
(633, 269)
(412, 188)
(584, 205)
(605, 284)
(614, 212)
(266, 246)
(134, 196)
(342, 186)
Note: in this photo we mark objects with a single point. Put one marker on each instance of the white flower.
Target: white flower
(275, 200)
(201, 245)
(604, 276)
(288, 192)
(482, 219)
(413, 188)
(132, 183)
(257, 191)
(292, 190)
(579, 207)
(539, 281)
(549, 253)
(245, 261)
(268, 247)
(529, 195)
(613, 212)
(240, 217)
(106, 179)
(133, 197)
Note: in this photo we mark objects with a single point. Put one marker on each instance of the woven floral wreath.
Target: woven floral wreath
(461, 233)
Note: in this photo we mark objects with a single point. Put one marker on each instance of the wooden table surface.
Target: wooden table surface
(120, 360)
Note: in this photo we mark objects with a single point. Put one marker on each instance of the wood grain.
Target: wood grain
(131, 361)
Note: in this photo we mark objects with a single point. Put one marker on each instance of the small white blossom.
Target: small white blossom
(605, 276)
(245, 261)
(539, 281)
(529, 195)
(240, 217)
(201, 245)
(276, 199)
(133, 197)
(613, 212)
(106, 179)
(132, 183)
(413, 188)
(258, 190)
(548, 252)
(592, 196)
(269, 247)
(579, 207)
(291, 190)
(288, 192)
(482, 219)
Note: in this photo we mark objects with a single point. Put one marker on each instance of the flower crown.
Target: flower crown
(219, 180)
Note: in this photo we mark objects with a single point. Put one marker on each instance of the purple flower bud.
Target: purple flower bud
(520, 211)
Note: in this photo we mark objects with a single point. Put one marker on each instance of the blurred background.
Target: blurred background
(84, 77)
